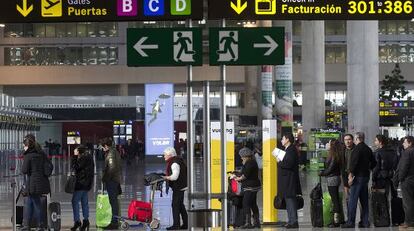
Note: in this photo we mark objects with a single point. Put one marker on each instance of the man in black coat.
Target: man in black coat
(288, 180)
(405, 175)
(361, 162)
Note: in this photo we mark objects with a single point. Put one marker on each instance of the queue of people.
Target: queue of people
(349, 163)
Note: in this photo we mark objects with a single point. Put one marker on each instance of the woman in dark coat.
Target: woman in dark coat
(332, 173)
(37, 183)
(250, 185)
(83, 167)
(288, 180)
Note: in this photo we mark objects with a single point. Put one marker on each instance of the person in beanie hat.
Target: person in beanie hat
(250, 186)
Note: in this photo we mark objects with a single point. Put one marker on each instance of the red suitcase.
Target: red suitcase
(140, 211)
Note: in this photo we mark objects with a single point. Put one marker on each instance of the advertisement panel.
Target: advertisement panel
(159, 118)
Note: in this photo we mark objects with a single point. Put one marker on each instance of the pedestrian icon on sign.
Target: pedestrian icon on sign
(228, 47)
(183, 46)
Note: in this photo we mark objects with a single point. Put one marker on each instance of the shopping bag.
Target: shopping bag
(103, 211)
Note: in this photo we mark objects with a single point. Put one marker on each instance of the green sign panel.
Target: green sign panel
(247, 46)
(164, 47)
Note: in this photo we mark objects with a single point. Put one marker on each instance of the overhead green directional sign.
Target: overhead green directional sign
(247, 46)
(164, 47)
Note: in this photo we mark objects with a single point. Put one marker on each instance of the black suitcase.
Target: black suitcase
(379, 208)
(54, 216)
(316, 212)
(397, 211)
(235, 212)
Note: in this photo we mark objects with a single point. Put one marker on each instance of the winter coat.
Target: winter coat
(112, 171)
(33, 166)
(288, 174)
(387, 161)
(83, 168)
(251, 171)
(362, 160)
(333, 168)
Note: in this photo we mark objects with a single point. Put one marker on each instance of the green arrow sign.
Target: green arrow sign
(247, 46)
(164, 47)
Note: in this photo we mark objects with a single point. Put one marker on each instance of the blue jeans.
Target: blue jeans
(292, 210)
(112, 188)
(31, 211)
(359, 190)
(80, 196)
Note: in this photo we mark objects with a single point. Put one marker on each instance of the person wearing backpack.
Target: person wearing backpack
(83, 167)
(35, 164)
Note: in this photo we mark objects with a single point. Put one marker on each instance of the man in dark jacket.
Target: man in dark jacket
(405, 175)
(37, 183)
(349, 146)
(176, 176)
(112, 179)
(362, 161)
(386, 159)
(288, 180)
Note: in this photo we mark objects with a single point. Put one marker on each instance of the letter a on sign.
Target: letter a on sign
(180, 7)
(127, 7)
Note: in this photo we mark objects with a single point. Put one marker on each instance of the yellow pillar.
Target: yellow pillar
(269, 171)
(215, 157)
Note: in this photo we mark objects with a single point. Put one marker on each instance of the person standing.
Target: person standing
(37, 183)
(387, 161)
(288, 180)
(405, 176)
(176, 177)
(129, 151)
(83, 168)
(349, 146)
(361, 162)
(112, 179)
(333, 175)
(250, 185)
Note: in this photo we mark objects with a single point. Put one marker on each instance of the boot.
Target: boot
(256, 221)
(247, 223)
(85, 225)
(336, 221)
(76, 225)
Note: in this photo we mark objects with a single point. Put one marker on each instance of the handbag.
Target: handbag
(280, 203)
(70, 184)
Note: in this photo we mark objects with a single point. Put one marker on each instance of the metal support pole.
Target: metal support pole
(223, 143)
(206, 145)
(14, 204)
(190, 141)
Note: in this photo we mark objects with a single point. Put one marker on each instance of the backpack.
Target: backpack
(47, 167)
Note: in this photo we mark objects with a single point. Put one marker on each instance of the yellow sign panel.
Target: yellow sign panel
(265, 7)
(216, 160)
(269, 171)
(51, 8)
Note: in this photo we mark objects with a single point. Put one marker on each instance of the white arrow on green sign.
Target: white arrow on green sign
(164, 47)
(247, 46)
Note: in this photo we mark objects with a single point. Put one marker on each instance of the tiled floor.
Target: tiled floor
(132, 189)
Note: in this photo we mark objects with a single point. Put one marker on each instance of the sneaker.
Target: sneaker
(184, 227)
(174, 227)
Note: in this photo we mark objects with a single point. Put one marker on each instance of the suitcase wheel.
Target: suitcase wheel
(124, 225)
(155, 224)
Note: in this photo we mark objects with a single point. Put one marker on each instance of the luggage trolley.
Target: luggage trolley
(145, 212)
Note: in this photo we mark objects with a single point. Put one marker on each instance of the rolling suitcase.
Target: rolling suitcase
(54, 216)
(379, 208)
(235, 214)
(397, 211)
(316, 212)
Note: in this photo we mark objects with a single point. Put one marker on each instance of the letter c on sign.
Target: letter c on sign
(151, 5)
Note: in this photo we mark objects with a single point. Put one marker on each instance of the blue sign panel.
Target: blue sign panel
(153, 7)
(159, 118)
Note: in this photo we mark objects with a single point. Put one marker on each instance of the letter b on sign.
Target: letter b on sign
(180, 7)
(127, 7)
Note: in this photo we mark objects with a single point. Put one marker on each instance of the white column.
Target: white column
(363, 78)
(313, 75)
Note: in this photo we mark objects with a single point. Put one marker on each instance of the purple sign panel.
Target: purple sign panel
(127, 7)
(159, 118)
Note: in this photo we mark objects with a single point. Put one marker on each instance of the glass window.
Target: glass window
(296, 53)
(71, 30)
(296, 28)
(383, 53)
(329, 54)
(60, 30)
(335, 27)
(13, 30)
(92, 29)
(50, 30)
(382, 27)
(81, 29)
(340, 55)
(411, 27)
(392, 27)
(39, 30)
(402, 27)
